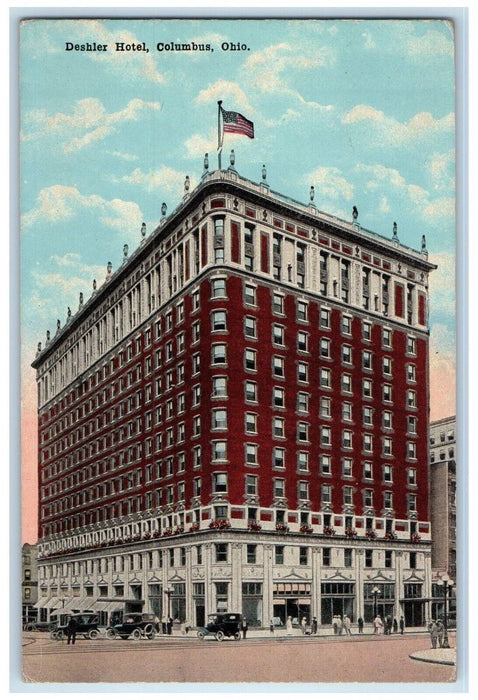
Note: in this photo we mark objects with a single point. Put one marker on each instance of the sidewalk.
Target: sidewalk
(281, 633)
(436, 656)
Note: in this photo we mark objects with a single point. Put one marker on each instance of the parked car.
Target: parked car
(135, 625)
(87, 625)
(38, 626)
(222, 625)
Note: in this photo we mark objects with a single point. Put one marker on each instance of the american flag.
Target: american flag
(235, 123)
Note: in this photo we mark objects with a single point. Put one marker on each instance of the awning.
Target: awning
(109, 605)
(41, 602)
(86, 603)
(53, 604)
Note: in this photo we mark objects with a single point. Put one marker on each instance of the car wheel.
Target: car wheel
(59, 635)
(93, 634)
(29, 628)
(136, 634)
(111, 634)
(53, 634)
(149, 631)
(237, 636)
(201, 634)
(219, 636)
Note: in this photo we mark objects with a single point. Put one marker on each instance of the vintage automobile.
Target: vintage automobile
(221, 625)
(135, 625)
(86, 626)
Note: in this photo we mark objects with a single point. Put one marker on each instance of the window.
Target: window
(346, 383)
(388, 499)
(278, 427)
(325, 407)
(251, 423)
(251, 485)
(278, 397)
(278, 458)
(325, 464)
(278, 334)
(367, 442)
(278, 365)
(219, 450)
(411, 398)
(368, 498)
(250, 390)
(367, 470)
(325, 436)
(251, 453)
(347, 439)
(250, 360)
(219, 419)
(387, 392)
(251, 553)
(367, 360)
(325, 318)
(303, 490)
(326, 493)
(367, 388)
(369, 558)
(388, 559)
(221, 552)
(412, 424)
(219, 386)
(218, 321)
(347, 325)
(303, 461)
(411, 345)
(347, 354)
(278, 303)
(302, 402)
(411, 450)
(302, 341)
(366, 330)
(250, 327)
(387, 447)
(348, 495)
(387, 338)
(412, 561)
(249, 294)
(387, 420)
(412, 477)
(196, 363)
(302, 372)
(219, 483)
(218, 287)
(387, 473)
(302, 432)
(325, 378)
(367, 415)
(326, 556)
(387, 366)
(279, 554)
(303, 556)
(302, 311)
(325, 347)
(412, 502)
(218, 354)
(347, 557)
(347, 467)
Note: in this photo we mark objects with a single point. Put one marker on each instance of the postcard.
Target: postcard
(238, 345)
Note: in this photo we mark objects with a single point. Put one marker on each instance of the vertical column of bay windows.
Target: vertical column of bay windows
(376, 291)
(218, 243)
(249, 247)
(411, 304)
(277, 256)
(345, 281)
(324, 273)
(288, 260)
(300, 264)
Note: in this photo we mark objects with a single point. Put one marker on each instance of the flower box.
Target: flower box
(254, 526)
(306, 529)
(371, 535)
(219, 524)
(350, 532)
(390, 536)
(194, 527)
(282, 527)
(167, 533)
(415, 538)
(329, 531)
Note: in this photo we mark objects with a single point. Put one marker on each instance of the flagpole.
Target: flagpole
(219, 140)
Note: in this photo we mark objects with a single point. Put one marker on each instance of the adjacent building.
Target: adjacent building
(29, 583)
(238, 419)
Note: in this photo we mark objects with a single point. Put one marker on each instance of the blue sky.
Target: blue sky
(363, 110)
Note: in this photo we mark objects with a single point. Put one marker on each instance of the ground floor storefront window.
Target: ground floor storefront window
(252, 603)
(337, 598)
(382, 602)
(291, 600)
(199, 604)
(178, 602)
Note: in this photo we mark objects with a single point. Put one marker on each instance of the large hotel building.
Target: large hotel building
(237, 419)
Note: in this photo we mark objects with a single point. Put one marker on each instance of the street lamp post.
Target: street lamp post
(169, 592)
(447, 586)
(375, 593)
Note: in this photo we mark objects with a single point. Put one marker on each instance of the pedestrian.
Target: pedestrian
(347, 625)
(389, 624)
(157, 624)
(441, 633)
(271, 627)
(303, 625)
(164, 625)
(339, 624)
(402, 625)
(169, 625)
(433, 629)
(289, 626)
(395, 625)
(71, 630)
(314, 625)
(244, 627)
(360, 625)
(335, 624)
(377, 625)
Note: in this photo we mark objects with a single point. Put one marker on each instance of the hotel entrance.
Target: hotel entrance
(337, 598)
(291, 600)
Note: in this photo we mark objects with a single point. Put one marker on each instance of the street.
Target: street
(364, 659)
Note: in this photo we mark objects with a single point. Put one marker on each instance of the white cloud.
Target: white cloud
(123, 156)
(432, 43)
(330, 183)
(59, 203)
(266, 69)
(165, 179)
(197, 144)
(233, 96)
(442, 283)
(441, 169)
(420, 126)
(384, 206)
(86, 123)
